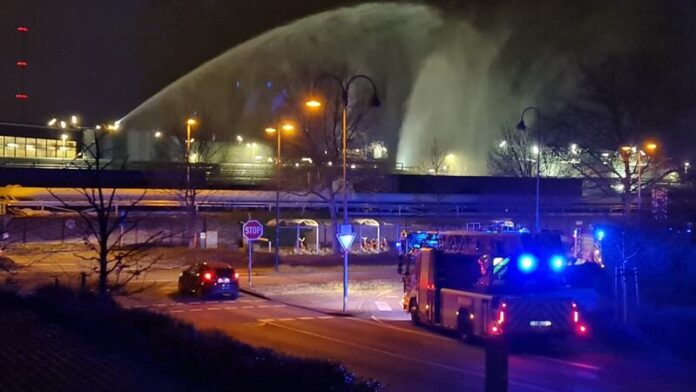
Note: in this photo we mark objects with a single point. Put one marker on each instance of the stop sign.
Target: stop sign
(252, 230)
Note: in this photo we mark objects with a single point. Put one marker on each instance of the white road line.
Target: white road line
(383, 306)
(325, 317)
(263, 306)
(214, 308)
(286, 319)
(195, 310)
(176, 311)
(564, 362)
(264, 320)
(231, 307)
(403, 357)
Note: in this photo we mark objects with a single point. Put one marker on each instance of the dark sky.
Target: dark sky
(101, 58)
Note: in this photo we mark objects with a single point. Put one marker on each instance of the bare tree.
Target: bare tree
(204, 149)
(320, 140)
(620, 103)
(103, 232)
(515, 155)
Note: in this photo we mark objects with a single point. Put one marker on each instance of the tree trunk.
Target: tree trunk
(103, 258)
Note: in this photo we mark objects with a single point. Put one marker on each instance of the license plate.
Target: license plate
(540, 323)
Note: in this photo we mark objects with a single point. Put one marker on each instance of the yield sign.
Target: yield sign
(346, 240)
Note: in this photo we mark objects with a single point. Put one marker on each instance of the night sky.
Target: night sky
(102, 58)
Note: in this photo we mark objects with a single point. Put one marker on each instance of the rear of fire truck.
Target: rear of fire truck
(483, 284)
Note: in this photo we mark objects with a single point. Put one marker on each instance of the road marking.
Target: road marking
(263, 306)
(264, 320)
(305, 318)
(196, 310)
(231, 307)
(247, 307)
(176, 311)
(286, 319)
(403, 357)
(214, 308)
(383, 306)
(325, 317)
(562, 361)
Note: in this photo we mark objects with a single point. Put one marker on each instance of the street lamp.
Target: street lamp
(649, 149)
(315, 103)
(190, 122)
(287, 127)
(537, 151)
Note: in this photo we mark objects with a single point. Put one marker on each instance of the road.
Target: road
(379, 342)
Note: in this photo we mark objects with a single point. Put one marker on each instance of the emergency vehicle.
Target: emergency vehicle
(481, 284)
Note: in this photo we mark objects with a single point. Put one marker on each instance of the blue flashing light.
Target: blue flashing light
(557, 263)
(526, 263)
(600, 234)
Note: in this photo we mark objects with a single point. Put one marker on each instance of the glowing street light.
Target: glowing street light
(313, 103)
(502, 144)
(73, 120)
(52, 122)
(63, 125)
(158, 134)
(287, 127)
(240, 139)
(686, 167)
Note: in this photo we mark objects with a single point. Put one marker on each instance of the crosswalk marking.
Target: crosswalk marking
(383, 306)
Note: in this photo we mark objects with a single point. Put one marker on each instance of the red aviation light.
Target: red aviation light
(21, 96)
(22, 64)
(22, 29)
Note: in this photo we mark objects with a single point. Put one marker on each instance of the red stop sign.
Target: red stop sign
(252, 230)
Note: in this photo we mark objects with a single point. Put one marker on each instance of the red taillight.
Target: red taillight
(495, 330)
(582, 329)
(236, 275)
(208, 276)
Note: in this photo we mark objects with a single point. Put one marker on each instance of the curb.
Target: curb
(254, 293)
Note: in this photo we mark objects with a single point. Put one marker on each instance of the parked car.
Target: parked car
(210, 279)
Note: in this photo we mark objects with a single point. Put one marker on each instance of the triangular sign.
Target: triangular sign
(346, 240)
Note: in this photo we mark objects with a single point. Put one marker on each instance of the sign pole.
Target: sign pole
(345, 238)
(250, 245)
(251, 230)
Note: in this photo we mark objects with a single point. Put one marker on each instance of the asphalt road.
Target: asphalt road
(379, 342)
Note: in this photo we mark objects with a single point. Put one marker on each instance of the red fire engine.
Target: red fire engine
(481, 284)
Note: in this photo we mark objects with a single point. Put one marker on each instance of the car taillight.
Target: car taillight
(582, 329)
(208, 276)
(236, 275)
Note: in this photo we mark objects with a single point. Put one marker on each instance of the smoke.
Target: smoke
(457, 74)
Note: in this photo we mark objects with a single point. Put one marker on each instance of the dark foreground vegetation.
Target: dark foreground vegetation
(174, 355)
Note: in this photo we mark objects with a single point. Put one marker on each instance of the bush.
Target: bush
(177, 350)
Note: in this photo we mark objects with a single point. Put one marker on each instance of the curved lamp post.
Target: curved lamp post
(315, 103)
(523, 127)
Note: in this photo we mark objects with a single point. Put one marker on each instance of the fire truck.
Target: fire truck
(482, 284)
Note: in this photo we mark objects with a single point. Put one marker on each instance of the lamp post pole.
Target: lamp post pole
(374, 102)
(277, 226)
(537, 203)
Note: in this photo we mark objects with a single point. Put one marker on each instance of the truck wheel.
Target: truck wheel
(464, 327)
(413, 309)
